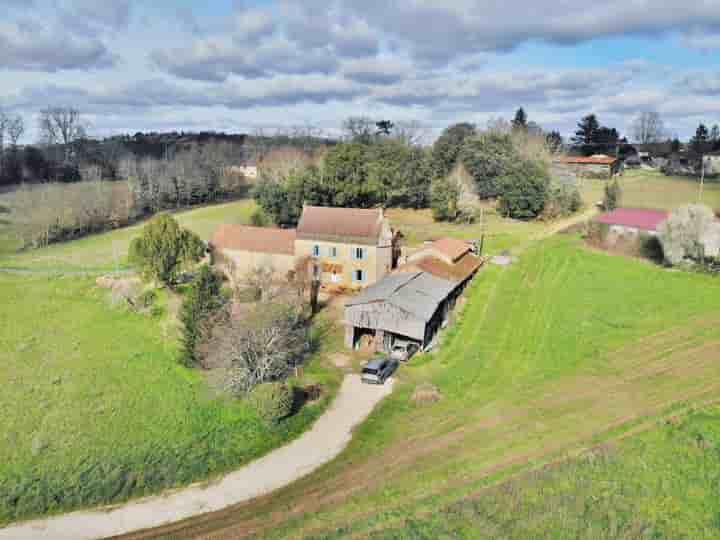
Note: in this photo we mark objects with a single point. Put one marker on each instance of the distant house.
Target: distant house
(597, 166)
(633, 221)
(247, 170)
(347, 247)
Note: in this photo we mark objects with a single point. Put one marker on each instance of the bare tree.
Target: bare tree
(360, 128)
(4, 119)
(263, 346)
(61, 126)
(412, 132)
(648, 128)
(15, 129)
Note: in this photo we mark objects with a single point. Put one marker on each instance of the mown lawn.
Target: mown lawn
(108, 251)
(554, 354)
(96, 409)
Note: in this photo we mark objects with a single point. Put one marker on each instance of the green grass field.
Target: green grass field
(557, 353)
(660, 484)
(652, 189)
(108, 251)
(96, 408)
(563, 350)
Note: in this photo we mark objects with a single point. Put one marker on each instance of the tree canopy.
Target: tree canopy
(446, 149)
(163, 249)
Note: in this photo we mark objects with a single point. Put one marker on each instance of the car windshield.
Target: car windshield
(371, 371)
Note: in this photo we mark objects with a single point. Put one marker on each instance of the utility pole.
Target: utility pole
(702, 177)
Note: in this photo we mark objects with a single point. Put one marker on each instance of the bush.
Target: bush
(273, 401)
(259, 219)
(613, 194)
(164, 249)
(524, 190)
(562, 200)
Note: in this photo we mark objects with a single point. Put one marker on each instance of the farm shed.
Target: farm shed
(596, 166)
(410, 305)
(632, 221)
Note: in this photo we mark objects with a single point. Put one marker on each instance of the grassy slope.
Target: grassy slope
(661, 484)
(552, 354)
(95, 407)
(109, 250)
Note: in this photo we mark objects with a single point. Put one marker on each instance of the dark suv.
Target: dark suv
(378, 370)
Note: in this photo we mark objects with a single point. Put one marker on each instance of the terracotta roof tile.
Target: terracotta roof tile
(592, 160)
(459, 271)
(255, 239)
(638, 218)
(319, 222)
(452, 247)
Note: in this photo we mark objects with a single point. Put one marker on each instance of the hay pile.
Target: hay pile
(426, 394)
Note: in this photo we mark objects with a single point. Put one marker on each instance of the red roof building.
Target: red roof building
(634, 218)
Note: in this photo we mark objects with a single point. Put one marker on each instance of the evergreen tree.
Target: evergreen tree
(164, 248)
(520, 121)
(700, 140)
(384, 127)
(586, 133)
(715, 135)
(554, 141)
(200, 302)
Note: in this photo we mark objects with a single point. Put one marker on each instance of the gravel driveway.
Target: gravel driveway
(328, 437)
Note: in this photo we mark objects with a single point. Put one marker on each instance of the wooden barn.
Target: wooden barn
(409, 306)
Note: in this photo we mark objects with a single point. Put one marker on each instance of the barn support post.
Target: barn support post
(350, 336)
(380, 341)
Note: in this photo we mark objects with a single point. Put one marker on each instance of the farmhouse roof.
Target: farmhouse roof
(599, 159)
(452, 247)
(416, 293)
(458, 272)
(357, 224)
(638, 218)
(255, 239)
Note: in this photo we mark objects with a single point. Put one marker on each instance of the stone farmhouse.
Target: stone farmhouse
(346, 247)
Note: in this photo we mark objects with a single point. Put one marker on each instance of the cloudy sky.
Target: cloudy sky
(239, 66)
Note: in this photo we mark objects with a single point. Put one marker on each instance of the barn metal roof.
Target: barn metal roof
(417, 293)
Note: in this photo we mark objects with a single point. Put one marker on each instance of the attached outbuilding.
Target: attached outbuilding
(408, 306)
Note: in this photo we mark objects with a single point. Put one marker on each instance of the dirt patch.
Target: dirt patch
(426, 394)
(341, 361)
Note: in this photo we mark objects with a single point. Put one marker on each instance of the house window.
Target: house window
(316, 251)
(359, 253)
(335, 278)
(333, 252)
(359, 276)
(316, 271)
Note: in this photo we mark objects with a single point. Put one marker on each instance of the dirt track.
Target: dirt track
(327, 438)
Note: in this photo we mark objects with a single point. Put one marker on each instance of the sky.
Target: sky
(247, 66)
